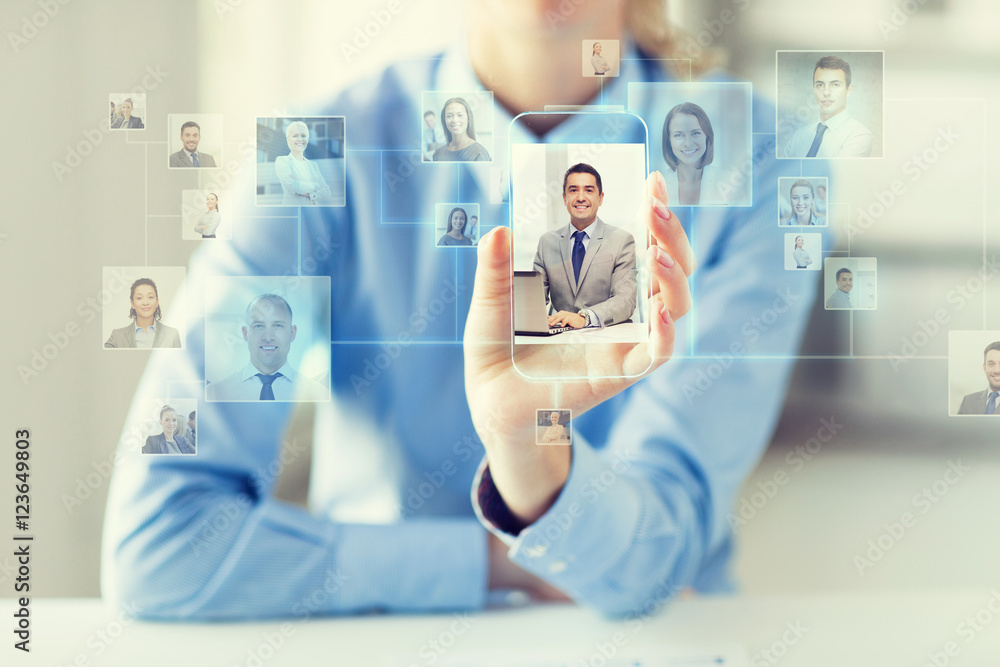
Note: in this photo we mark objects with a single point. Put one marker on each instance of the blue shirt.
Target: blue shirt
(655, 470)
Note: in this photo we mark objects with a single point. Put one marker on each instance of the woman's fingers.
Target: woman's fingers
(664, 225)
(670, 282)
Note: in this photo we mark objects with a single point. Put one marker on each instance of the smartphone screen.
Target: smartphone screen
(578, 241)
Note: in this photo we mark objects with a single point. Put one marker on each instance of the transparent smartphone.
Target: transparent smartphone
(590, 178)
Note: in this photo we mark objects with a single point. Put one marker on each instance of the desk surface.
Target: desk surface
(629, 332)
(880, 630)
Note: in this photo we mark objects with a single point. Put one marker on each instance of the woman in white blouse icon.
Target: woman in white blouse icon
(301, 180)
(600, 63)
(556, 432)
(209, 221)
(799, 254)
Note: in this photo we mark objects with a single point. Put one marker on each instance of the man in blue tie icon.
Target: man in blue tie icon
(841, 298)
(269, 333)
(836, 134)
(188, 156)
(985, 402)
(587, 265)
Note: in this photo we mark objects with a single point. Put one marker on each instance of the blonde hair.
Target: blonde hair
(295, 124)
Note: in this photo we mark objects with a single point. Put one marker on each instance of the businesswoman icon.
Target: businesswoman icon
(124, 120)
(556, 432)
(460, 133)
(146, 329)
(600, 63)
(300, 177)
(802, 198)
(689, 148)
(209, 221)
(169, 441)
(799, 254)
(455, 235)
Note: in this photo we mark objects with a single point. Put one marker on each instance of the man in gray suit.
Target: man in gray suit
(189, 155)
(985, 402)
(841, 298)
(587, 266)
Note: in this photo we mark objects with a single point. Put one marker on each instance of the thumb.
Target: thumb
(490, 310)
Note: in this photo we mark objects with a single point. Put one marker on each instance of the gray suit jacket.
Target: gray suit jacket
(182, 159)
(975, 404)
(125, 337)
(608, 283)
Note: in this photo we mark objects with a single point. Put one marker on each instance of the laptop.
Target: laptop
(531, 317)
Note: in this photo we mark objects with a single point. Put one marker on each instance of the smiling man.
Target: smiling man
(841, 298)
(587, 266)
(189, 155)
(269, 334)
(836, 134)
(985, 402)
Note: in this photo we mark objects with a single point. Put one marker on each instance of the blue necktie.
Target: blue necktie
(578, 252)
(820, 129)
(194, 158)
(991, 407)
(266, 391)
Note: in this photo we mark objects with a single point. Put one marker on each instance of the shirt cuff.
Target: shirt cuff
(587, 530)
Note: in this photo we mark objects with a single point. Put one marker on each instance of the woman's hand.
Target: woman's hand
(503, 402)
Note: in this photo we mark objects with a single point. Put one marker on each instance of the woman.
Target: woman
(300, 177)
(146, 330)
(689, 148)
(556, 432)
(456, 229)
(210, 219)
(126, 121)
(460, 134)
(799, 254)
(169, 441)
(803, 200)
(601, 66)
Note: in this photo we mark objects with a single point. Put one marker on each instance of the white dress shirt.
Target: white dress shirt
(244, 385)
(844, 137)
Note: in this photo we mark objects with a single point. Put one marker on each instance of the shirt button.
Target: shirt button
(557, 567)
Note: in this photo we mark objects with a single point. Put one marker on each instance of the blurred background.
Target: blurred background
(79, 199)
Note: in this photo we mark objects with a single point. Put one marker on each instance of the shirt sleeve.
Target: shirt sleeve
(647, 508)
(201, 537)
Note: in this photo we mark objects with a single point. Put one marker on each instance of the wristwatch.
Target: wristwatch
(586, 316)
